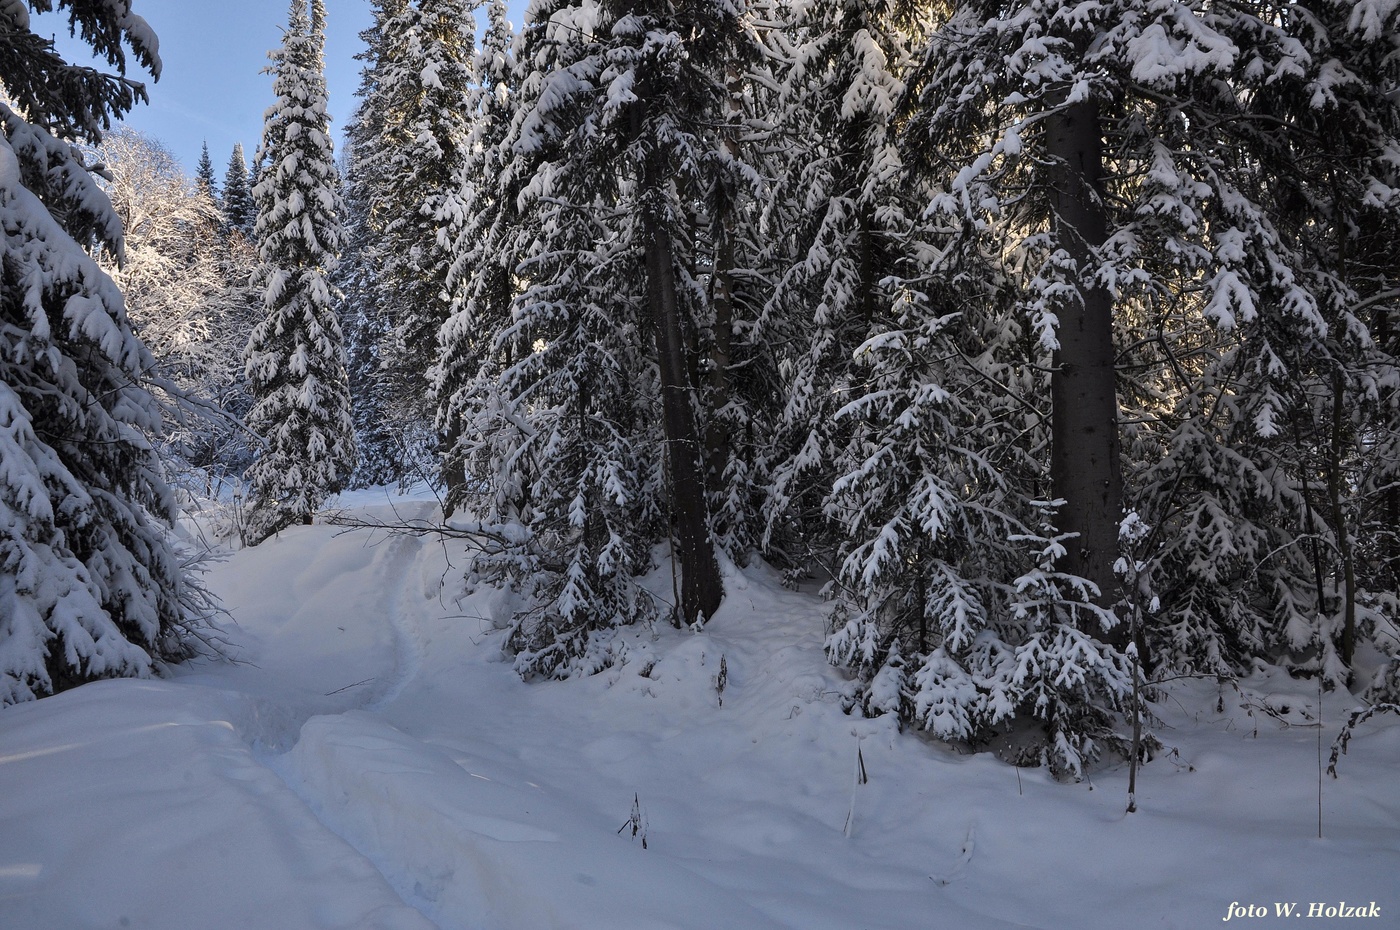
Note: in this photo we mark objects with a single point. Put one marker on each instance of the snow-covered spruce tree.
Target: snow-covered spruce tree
(481, 222)
(902, 465)
(382, 450)
(736, 365)
(89, 584)
(1376, 501)
(1145, 160)
(1037, 92)
(1340, 213)
(237, 200)
(296, 357)
(594, 434)
(562, 421)
(389, 449)
(840, 240)
(669, 76)
(204, 174)
(417, 98)
(1281, 385)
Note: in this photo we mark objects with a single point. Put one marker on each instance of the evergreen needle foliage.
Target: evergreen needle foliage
(90, 584)
(1058, 341)
(296, 356)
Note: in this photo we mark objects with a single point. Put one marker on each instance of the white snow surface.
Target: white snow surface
(373, 762)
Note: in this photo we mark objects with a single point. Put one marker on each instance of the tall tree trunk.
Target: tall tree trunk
(451, 470)
(1341, 526)
(718, 442)
(1085, 470)
(725, 206)
(701, 585)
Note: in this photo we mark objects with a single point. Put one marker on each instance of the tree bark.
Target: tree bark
(719, 444)
(1086, 470)
(1341, 526)
(718, 441)
(451, 470)
(701, 585)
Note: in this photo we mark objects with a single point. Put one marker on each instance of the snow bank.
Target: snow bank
(138, 804)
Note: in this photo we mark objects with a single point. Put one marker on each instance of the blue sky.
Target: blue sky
(212, 87)
(213, 52)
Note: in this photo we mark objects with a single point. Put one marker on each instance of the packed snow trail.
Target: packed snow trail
(330, 634)
(472, 852)
(418, 817)
(431, 828)
(404, 604)
(138, 804)
(326, 618)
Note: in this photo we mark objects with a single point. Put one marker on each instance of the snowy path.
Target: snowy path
(375, 764)
(402, 611)
(331, 634)
(139, 804)
(464, 849)
(472, 852)
(327, 618)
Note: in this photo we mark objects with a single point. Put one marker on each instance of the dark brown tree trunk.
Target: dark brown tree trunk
(1341, 527)
(719, 443)
(701, 585)
(451, 471)
(1085, 469)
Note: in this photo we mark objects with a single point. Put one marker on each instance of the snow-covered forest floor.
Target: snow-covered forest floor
(374, 762)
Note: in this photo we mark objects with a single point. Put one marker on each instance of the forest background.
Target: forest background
(1056, 342)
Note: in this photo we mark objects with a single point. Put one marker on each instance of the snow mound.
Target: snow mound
(137, 804)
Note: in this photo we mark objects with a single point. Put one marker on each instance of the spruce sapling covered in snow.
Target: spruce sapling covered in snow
(296, 357)
(90, 586)
(204, 174)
